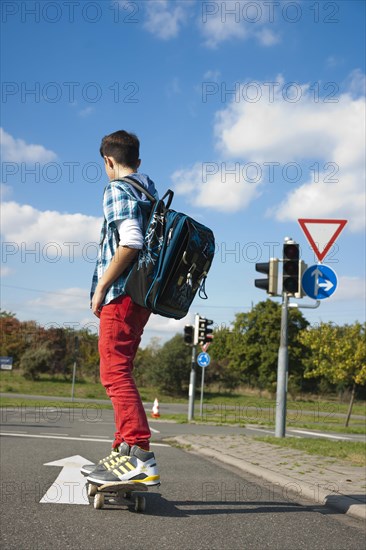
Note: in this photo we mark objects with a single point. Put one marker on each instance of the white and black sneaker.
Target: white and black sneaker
(140, 466)
(109, 462)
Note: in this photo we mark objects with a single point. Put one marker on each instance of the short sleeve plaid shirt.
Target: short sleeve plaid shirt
(120, 202)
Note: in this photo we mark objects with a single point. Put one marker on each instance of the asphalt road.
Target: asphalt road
(200, 505)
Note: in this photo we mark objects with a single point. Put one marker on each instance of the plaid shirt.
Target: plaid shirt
(120, 202)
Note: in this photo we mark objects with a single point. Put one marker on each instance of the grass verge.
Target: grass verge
(350, 451)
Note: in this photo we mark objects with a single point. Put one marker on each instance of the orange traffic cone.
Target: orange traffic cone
(155, 410)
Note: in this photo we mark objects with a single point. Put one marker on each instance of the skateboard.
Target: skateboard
(115, 492)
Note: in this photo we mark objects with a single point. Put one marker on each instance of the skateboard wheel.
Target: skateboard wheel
(92, 490)
(98, 501)
(140, 504)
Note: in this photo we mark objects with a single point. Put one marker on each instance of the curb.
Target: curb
(342, 503)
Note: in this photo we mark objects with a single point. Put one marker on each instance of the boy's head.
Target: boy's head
(123, 147)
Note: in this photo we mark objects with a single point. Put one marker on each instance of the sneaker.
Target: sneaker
(109, 461)
(140, 466)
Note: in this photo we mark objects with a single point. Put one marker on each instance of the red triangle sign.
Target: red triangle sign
(321, 234)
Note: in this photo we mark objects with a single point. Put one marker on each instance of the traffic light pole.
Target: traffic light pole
(282, 372)
(192, 386)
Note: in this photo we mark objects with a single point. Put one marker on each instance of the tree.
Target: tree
(88, 356)
(144, 363)
(171, 366)
(248, 352)
(338, 353)
(222, 370)
(18, 336)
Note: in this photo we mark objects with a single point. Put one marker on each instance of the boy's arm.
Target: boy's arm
(120, 261)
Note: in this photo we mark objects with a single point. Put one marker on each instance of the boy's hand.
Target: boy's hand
(97, 300)
(120, 261)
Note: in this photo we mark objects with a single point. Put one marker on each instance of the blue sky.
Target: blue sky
(253, 112)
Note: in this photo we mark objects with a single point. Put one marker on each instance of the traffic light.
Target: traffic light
(204, 333)
(302, 268)
(271, 269)
(189, 335)
(291, 275)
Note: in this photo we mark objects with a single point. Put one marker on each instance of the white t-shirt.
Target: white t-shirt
(130, 233)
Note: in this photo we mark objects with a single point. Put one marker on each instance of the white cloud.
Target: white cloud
(5, 191)
(356, 83)
(49, 227)
(334, 61)
(164, 325)
(71, 300)
(173, 88)
(350, 288)
(277, 129)
(164, 19)
(5, 271)
(86, 112)
(237, 20)
(212, 75)
(204, 184)
(267, 37)
(17, 150)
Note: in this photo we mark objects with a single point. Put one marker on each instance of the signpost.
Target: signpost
(203, 360)
(319, 281)
(6, 363)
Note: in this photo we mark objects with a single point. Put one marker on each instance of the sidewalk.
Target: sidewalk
(323, 480)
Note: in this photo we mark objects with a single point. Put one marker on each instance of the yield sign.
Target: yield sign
(321, 234)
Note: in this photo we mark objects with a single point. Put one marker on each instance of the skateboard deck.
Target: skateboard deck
(115, 492)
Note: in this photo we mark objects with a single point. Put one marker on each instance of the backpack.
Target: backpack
(174, 261)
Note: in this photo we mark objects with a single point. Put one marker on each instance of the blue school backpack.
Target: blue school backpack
(174, 261)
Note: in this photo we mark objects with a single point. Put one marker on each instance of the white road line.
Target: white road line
(88, 420)
(18, 434)
(321, 435)
(49, 433)
(260, 430)
(88, 435)
(154, 431)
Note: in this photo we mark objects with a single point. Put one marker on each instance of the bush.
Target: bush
(35, 362)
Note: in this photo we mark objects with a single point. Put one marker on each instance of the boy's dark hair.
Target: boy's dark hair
(123, 147)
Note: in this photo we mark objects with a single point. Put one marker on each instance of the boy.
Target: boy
(121, 321)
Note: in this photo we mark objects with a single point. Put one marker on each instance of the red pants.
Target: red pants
(121, 325)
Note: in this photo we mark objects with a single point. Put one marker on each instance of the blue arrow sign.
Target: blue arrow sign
(203, 359)
(319, 281)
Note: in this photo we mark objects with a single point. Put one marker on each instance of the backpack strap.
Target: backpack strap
(137, 185)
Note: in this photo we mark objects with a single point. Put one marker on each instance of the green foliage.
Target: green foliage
(19, 337)
(247, 353)
(171, 366)
(336, 353)
(34, 362)
(144, 363)
(322, 359)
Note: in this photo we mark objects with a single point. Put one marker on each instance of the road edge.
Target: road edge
(341, 503)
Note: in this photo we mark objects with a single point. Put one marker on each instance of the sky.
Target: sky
(252, 112)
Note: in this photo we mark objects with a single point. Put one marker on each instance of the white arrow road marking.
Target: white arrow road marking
(69, 487)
